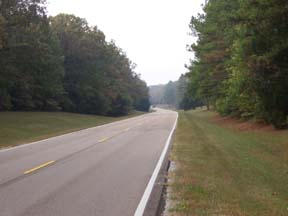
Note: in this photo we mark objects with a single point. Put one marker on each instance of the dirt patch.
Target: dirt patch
(242, 125)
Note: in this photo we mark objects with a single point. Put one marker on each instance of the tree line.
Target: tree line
(63, 63)
(175, 94)
(241, 59)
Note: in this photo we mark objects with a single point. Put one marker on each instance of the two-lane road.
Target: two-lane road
(98, 171)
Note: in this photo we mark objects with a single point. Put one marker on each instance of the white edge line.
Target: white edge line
(147, 193)
(81, 130)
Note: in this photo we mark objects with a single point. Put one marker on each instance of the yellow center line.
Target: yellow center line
(107, 138)
(104, 139)
(39, 167)
(127, 129)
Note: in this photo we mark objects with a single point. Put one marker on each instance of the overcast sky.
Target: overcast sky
(153, 33)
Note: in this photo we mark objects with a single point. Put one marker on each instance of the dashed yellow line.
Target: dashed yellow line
(39, 167)
(127, 129)
(53, 161)
(107, 138)
(104, 139)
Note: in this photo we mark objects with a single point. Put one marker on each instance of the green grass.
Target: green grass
(24, 127)
(222, 171)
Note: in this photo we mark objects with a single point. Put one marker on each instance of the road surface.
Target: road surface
(98, 171)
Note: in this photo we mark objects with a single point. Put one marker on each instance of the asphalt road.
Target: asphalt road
(98, 171)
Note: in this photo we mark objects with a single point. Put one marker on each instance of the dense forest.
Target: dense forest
(175, 94)
(241, 64)
(158, 93)
(62, 63)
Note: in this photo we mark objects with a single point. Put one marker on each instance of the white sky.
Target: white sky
(153, 33)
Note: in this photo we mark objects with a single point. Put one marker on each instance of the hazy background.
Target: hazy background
(153, 33)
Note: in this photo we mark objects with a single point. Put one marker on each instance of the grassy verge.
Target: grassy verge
(23, 127)
(221, 171)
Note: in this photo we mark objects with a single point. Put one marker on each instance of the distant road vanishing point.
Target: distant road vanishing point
(108, 170)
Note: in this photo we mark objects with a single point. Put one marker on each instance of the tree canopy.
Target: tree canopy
(175, 94)
(63, 63)
(241, 64)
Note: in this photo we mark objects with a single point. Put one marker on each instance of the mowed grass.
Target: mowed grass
(24, 127)
(222, 171)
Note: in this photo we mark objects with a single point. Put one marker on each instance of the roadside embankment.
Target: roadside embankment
(23, 127)
(221, 170)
